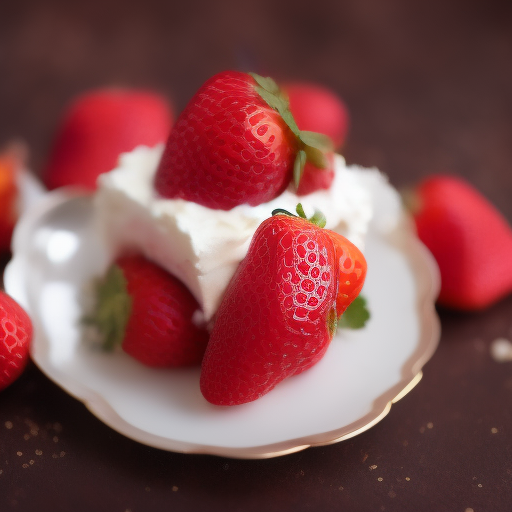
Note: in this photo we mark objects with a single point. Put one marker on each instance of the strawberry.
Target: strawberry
(278, 314)
(314, 179)
(150, 313)
(351, 271)
(318, 109)
(15, 337)
(236, 142)
(469, 238)
(97, 127)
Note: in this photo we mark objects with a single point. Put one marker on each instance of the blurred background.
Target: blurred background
(427, 83)
(429, 89)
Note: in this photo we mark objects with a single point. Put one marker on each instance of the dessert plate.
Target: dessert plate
(56, 255)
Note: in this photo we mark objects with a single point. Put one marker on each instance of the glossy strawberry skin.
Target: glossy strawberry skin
(314, 179)
(8, 199)
(100, 125)
(470, 240)
(316, 108)
(160, 331)
(352, 268)
(227, 148)
(15, 338)
(275, 319)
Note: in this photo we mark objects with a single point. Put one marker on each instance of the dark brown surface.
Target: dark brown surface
(429, 86)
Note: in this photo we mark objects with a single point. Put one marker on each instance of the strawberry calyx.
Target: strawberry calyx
(318, 218)
(356, 315)
(312, 146)
(112, 308)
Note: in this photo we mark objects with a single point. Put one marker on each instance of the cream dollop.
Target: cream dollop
(203, 247)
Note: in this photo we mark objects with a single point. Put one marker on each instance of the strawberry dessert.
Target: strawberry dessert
(207, 216)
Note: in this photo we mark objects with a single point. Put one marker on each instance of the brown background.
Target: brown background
(429, 87)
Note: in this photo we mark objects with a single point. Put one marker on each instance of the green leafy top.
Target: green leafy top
(318, 218)
(312, 146)
(112, 308)
(356, 315)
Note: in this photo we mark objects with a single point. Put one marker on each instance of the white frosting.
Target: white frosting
(203, 247)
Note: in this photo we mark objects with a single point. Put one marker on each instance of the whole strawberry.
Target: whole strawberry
(97, 127)
(150, 313)
(15, 338)
(278, 314)
(470, 240)
(318, 109)
(236, 143)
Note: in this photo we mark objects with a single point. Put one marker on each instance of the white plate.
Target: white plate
(56, 252)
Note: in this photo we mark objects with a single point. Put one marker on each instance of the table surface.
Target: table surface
(429, 88)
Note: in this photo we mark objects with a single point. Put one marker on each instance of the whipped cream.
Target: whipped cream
(203, 247)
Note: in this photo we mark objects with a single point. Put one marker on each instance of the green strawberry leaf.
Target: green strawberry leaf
(316, 157)
(318, 218)
(356, 315)
(298, 167)
(290, 120)
(281, 211)
(266, 83)
(273, 101)
(316, 140)
(112, 309)
(300, 211)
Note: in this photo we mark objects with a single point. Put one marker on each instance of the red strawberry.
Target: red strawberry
(470, 240)
(15, 337)
(314, 179)
(97, 127)
(150, 313)
(351, 271)
(318, 109)
(278, 314)
(236, 142)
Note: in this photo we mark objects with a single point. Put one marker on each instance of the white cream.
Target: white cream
(203, 247)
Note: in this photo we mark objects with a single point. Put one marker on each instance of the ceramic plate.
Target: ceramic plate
(56, 253)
